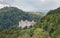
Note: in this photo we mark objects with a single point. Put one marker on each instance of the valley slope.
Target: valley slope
(10, 16)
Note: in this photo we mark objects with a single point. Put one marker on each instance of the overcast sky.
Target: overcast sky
(32, 5)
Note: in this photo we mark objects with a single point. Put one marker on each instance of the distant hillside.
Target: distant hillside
(42, 14)
(10, 16)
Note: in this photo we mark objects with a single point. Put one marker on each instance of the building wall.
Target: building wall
(25, 23)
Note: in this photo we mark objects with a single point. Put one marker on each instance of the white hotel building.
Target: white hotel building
(27, 23)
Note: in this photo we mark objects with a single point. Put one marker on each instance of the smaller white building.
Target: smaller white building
(27, 23)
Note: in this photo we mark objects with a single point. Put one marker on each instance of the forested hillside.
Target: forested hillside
(51, 23)
(47, 27)
(10, 16)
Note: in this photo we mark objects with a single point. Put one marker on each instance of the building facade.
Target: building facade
(27, 23)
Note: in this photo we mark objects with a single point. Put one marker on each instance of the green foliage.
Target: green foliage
(48, 27)
(10, 16)
(26, 33)
(52, 21)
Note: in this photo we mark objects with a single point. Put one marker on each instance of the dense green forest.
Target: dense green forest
(10, 16)
(51, 23)
(47, 27)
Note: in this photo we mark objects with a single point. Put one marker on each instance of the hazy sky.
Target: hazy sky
(32, 5)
